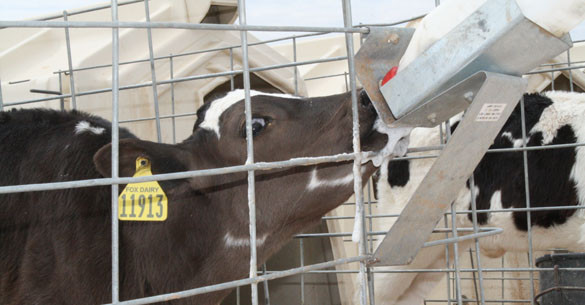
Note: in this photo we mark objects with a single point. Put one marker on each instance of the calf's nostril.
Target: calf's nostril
(364, 100)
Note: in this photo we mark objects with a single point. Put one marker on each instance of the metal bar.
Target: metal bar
(184, 79)
(370, 239)
(456, 257)
(232, 85)
(115, 158)
(18, 82)
(177, 25)
(326, 76)
(296, 77)
(196, 52)
(445, 217)
(484, 231)
(173, 101)
(392, 23)
(554, 70)
(432, 301)
(477, 249)
(1, 99)
(570, 70)
(527, 194)
(70, 63)
(301, 247)
(238, 295)
(357, 177)
(491, 150)
(470, 270)
(178, 175)
(242, 282)
(463, 270)
(152, 73)
(447, 260)
(62, 100)
(503, 281)
(552, 81)
(87, 10)
(161, 117)
(266, 290)
(44, 91)
(250, 151)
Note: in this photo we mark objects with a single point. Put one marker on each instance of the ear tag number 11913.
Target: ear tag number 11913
(143, 201)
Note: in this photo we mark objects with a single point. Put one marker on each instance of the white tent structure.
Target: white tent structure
(30, 59)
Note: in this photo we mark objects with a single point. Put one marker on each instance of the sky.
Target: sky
(269, 12)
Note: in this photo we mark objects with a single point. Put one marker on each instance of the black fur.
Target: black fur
(549, 171)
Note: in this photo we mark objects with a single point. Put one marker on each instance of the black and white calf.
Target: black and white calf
(556, 178)
(55, 245)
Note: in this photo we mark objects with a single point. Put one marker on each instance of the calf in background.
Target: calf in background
(556, 178)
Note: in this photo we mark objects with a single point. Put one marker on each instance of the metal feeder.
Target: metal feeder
(476, 67)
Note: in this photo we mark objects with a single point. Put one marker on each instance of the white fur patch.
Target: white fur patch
(84, 126)
(516, 143)
(496, 204)
(219, 106)
(549, 123)
(231, 241)
(316, 182)
(568, 108)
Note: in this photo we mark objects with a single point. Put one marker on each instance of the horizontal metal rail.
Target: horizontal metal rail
(182, 175)
(178, 25)
(170, 116)
(555, 70)
(393, 23)
(87, 10)
(193, 52)
(243, 282)
(474, 301)
(178, 80)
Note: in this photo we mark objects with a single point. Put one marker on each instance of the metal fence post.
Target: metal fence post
(173, 99)
(250, 152)
(115, 158)
(70, 63)
(153, 73)
(527, 194)
(357, 178)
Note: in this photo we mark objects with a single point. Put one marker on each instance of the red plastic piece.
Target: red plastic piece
(389, 75)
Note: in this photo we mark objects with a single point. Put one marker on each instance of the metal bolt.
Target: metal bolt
(393, 38)
(432, 117)
(469, 96)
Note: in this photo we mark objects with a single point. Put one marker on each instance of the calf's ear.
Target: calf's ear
(163, 158)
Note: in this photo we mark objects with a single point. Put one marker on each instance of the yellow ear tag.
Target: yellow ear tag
(143, 201)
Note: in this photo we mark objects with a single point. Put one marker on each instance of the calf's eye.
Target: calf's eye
(258, 124)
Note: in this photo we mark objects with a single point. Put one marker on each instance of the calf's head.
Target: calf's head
(284, 127)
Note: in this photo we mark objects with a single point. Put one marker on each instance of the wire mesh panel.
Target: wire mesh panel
(146, 94)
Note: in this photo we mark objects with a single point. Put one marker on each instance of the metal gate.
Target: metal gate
(365, 275)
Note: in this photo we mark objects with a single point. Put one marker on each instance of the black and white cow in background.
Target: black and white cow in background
(556, 178)
(55, 245)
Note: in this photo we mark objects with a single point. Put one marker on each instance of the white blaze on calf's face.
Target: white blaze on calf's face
(219, 106)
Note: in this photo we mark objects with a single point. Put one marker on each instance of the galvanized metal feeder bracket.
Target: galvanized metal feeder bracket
(476, 67)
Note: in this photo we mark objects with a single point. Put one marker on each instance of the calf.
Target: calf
(556, 178)
(55, 245)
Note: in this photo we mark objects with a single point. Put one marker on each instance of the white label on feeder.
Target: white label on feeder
(490, 112)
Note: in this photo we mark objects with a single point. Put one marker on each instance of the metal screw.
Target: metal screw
(469, 96)
(432, 117)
